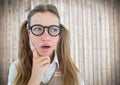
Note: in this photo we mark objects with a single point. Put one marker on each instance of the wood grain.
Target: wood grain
(94, 27)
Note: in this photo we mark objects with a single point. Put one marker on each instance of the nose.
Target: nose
(45, 36)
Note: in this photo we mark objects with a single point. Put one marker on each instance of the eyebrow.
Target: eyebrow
(43, 25)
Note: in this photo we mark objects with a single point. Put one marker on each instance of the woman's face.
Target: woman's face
(45, 43)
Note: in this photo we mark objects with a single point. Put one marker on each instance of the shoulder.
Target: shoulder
(12, 72)
(14, 65)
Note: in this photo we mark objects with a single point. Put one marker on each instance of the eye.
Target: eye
(37, 28)
(54, 29)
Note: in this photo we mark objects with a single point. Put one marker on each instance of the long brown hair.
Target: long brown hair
(67, 67)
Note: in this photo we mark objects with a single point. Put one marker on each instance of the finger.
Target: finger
(43, 62)
(45, 66)
(41, 59)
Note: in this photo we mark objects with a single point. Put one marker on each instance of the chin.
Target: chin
(44, 54)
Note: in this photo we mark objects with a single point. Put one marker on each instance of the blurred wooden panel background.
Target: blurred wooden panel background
(95, 36)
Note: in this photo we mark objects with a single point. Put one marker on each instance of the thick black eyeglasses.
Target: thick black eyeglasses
(38, 30)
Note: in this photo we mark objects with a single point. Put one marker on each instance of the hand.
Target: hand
(40, 63)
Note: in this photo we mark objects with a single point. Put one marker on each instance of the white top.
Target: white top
(47, 75)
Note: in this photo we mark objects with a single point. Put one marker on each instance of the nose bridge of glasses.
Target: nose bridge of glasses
(45, 30)
(45, 27)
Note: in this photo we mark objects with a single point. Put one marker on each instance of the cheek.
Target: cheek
(34, 39)
(55, 41)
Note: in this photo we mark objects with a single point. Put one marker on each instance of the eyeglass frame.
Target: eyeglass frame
(30, 28)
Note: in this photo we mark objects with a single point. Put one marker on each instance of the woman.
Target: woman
(44, 51)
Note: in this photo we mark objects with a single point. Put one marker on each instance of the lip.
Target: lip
(45, 47)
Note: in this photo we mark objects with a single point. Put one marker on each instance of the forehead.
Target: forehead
(45, 19)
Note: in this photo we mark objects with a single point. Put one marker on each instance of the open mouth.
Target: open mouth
(45, 47)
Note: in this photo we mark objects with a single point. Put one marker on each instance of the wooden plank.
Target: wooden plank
(58, 5)
(118, 7)
(95, 48)
(107, 26)
(47, 1)
(108, 61)
(72, 31)
(103, 40)
(1, 40)
(9, 33)
(99, 42)
(90, 41)
(86, 44)
(112, 49)
(75, 33)
(4, 59)
(8, 38)
(21, 17)
(3, 56)
(55, 2)
(27, 8)
(14, 28)
(66, 13)
(1, 52)
(61, 11)
(81, 38)
(116, 42)
(60, 8)
(35, 2)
